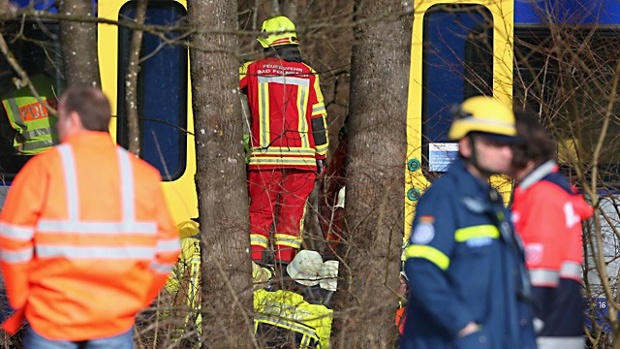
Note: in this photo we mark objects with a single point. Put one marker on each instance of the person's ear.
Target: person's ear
(465, 147)
(75, 121)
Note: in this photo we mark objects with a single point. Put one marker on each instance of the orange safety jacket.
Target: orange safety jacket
(86, 240)
(288, 118)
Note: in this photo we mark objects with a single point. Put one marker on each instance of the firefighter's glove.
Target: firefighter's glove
(321, 168)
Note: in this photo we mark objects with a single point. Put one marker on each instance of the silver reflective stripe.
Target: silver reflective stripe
(17, 232)
(302, 128)
(15, 109)
(37, 145)
(161, 268)
(539, 173)
(292, 241)
(28, 135)
(127, 185)
(264, 111)
(285, 80)
(318, 109)
(258, 239)
(488, 122)
(74, 225)
(95, 252)
(171, 245)
(576, 342)
(73, 199)
(279, 150)
(544, 277)
(571, 270)
(19, 256)
(108, 228)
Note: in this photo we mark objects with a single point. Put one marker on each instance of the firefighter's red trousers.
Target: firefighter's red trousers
(280, 196)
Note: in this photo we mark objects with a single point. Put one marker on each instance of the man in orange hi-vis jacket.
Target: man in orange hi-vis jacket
(86, 239)
(288, 140)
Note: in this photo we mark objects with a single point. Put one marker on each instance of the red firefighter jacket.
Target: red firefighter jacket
(86, 239)
(288, 119)
(548, 213)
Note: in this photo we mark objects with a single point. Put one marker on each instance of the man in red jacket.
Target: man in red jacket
(86, 239)
(547, 212)
(288, 140)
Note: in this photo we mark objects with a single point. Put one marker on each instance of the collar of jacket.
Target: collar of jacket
(477, 195)
(538, 173)
(289, 53)
(470, 184)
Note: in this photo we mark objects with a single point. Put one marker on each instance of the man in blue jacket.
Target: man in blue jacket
(469, 286)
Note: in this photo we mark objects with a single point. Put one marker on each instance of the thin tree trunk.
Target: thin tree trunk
(375, 183)
(131, 90)
(220, 177)
(79, 44)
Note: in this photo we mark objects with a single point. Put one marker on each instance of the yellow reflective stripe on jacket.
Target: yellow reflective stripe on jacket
(263, 114)
(477, 231)
(318, 109)
(302, 105)
(274, 160)
(283, 150)
(429, 253)
(322, 149)
(259, 240)
(288, 240)
(264, 105)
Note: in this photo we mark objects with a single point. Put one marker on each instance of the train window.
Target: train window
(36, 47)
(162, 89)
(457, 64)
(567, 74)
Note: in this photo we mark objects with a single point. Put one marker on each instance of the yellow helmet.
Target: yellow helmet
(483, 114)
(277, 30)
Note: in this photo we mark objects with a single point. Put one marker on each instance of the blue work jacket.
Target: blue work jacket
(464, 263)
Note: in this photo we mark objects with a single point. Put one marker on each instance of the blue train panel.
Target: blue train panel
(599, 312)
(43, 5)
(605, 12)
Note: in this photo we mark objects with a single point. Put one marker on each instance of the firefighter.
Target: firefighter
(399, 320)
(303, 312)
(464, 263)
(184, 284)
(80, 262)
(288, 140)
(548, 212)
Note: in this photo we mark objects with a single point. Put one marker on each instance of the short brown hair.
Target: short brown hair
(90, 104)
(537, 143)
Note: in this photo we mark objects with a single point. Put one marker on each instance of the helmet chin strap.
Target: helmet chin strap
(473, 159)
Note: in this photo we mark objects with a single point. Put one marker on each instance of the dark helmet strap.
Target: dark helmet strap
(473, 159)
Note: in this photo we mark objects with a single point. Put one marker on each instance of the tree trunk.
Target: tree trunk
(375, 183)
(79, 44)
(131, 90)
(220, 176)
